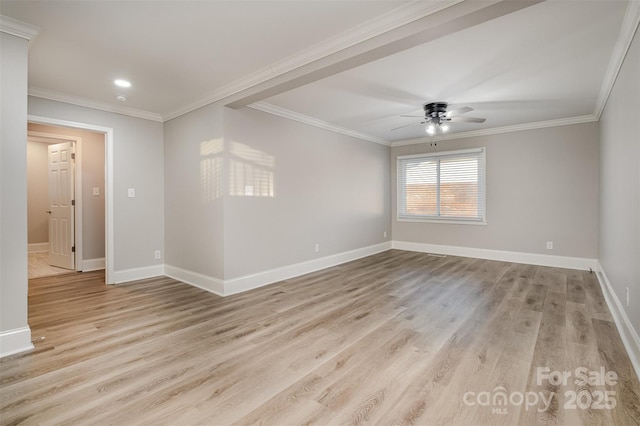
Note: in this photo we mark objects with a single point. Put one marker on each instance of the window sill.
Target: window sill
(443, 221)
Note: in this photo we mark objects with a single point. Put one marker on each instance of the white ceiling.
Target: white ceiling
(548, 61)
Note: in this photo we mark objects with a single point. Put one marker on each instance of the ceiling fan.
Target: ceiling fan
(436, 117)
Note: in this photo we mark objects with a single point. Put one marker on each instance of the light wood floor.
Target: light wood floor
(395, 338)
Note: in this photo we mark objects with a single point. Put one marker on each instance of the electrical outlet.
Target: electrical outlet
(627, 296)
(317, 247)
(131, 192)
(96, 191)
(549, 245)
(157, 254)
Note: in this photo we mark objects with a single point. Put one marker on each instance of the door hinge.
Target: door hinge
(73, 155)
(73, 249)
(73, 202)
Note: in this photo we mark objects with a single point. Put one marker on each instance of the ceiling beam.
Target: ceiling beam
(444, 22)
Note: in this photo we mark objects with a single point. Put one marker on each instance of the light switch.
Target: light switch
(96, 191)
(131, 192)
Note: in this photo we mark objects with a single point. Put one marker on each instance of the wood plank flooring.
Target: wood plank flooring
(395, 338)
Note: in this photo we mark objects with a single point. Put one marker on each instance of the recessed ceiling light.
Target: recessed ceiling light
(121, 98)
(122, 83)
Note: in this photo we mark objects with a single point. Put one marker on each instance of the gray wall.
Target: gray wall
(193, 152)
(37, 193)
(13, 188)
(619, 239)
(138, 163)
(93, 206)
(310, 186)
(93, 173)
(542, 185)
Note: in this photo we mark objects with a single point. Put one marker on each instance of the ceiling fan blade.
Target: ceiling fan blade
(458, 111)
(407, 125)
(420, 116)
(466, 119)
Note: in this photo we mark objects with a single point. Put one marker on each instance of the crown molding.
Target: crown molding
(628, 29)
(393, 19)
(282, 112)
(497, 130)
(389, 21)
(61, 97)
(18, 28)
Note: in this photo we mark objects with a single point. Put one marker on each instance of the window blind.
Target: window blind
(446, 186)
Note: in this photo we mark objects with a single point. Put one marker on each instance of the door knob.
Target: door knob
(49, 211)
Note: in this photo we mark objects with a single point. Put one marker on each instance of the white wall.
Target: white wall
(193, 153)
(93, 206)
(15, 335)
(310, 186)
(138, 163)
(37, 193)
(619, 239)
(542, 185)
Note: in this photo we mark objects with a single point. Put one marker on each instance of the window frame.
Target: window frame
(402, 216)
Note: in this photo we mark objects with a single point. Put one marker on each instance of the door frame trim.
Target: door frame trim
(108, 182)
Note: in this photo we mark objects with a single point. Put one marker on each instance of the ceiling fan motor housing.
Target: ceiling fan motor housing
(435, 110)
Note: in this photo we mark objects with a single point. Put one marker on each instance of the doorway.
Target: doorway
(107, 133)
(64, 239)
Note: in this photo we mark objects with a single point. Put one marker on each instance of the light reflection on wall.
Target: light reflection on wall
(251, 172)
(211, 167)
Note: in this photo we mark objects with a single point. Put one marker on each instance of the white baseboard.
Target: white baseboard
(133, 274)
(505, 256)
(260, 279)
(93, 264)
(15, 341)
(205, 282)
(37, 247)
(628, 334)
(249, 282)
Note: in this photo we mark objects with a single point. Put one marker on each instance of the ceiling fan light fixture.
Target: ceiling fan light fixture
(436, 118)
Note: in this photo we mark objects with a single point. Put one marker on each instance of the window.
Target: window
(443, 186)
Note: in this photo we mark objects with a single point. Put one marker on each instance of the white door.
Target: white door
(61, 206)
